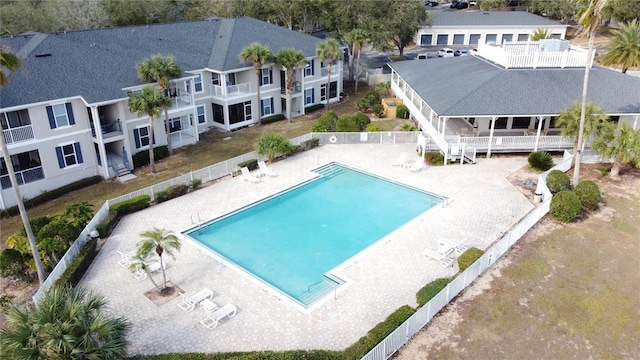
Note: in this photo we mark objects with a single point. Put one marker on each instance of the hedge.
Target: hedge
(312, 108)
(251, 164)
(434, 158)
(75, 271)
(171, 192)
(272, 119)
(431, 289)
(468, 257)
(258, 355)
(130, 206)
(142, 158)
(309, 144)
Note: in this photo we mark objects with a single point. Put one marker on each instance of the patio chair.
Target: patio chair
(125, 259)
(246, 175)
(189, 301)
(443, 259)
(401, 160)
(213, 318)
(457, 246)
(152, 268)
(264, 170)
(418, 165)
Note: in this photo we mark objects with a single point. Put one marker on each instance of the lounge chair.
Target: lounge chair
(125, 259)
(457, 246)
(443, 259)
(401, 161)
(246, 175)
(264, 170)
(213, 318)
(418, 165)
(189, 301)
(152, 268)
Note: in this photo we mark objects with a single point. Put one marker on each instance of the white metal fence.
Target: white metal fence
(421, 318)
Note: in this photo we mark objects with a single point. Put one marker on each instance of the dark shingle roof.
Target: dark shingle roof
(468, 86)
(97, 64)
(491, 18)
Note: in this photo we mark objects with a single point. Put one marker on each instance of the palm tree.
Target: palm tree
(289, 59)
(161, 70)
(569, 122)
(358, 37)
(141, 263)
(328, 51)
(258, 54)
(540, 34)
(161, 242)
(68, 324)
(589, 20)
(150, 101)
(621, 143)
(624, 48)
(11, 62)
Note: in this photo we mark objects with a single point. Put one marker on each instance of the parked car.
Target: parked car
(445, 52)
(425, 56)
(431, 3)
(461, 52)
(459, 5)
(473, 3)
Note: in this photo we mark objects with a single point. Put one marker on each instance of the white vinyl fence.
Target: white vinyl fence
(421, 318)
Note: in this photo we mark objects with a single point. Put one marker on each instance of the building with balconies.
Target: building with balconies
(65, 114)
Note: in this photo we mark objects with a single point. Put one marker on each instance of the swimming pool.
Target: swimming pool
(292, 240)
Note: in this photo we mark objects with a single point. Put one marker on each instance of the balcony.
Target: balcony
(230, 91)
(297, 88)
(532, 55)
(23, 177)
(18, 134)
(325, 70)
(109, 130)
(180, 101)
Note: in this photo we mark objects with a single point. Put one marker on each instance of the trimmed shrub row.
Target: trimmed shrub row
(313, 108)
(75, 271)
(142, 158)
(469, 257)
(434, 158)
(567, 206)
(130, 206)
(251, 164)
(431, 289)
(272, 119)
(171, 193)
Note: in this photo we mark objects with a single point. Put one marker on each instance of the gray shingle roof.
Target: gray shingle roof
(468, 86)
(491, 18)
(97, 64)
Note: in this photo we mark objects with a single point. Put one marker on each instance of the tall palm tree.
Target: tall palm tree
(589, 21)
(67, 324)
(141, 263)
(161, 242)
(11, 62)
(621, 143)
(624, 48)
(258, 54)
(161, 70)
(150, 102)
(358, 37)
(328, 51)
(289, 59)
(569, 121)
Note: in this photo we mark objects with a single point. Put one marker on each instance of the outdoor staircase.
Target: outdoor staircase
(330, 170)
(124, 174)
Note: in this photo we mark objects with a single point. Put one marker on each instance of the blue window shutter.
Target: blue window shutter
(136, 137)
(261, 78)
(78, 152)
(313, 95)
(72, 120)
(261, 107)
(153, 137)
(270, 76)
(60, 158)
(312, 68)
(52, 120)
(271, 105)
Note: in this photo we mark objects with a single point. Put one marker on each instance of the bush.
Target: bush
(130, 206)
(368, 101)
(434, 158)
(251, 164)
(142, 158)
(195, 183)
(75, 271)
(272, 119)
(326, 122)
(361, 120)
(372, 128)
(346, 123)
(566, 206)
(378, 110)
(468, 257)
(312, 108)
(408, 127)
(431, 289)
(540, 160)
(270, 144)
(107, 225)
(309, 144)
(382, 89)
(12, 265)
(171, 192)
(589, 194)
(558, 181)
(402, 111)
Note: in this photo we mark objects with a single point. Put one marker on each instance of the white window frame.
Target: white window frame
(266, 105)
(203, 115)
(147, 136)
(59, 116)
(308, 96)
(308, 69)
(248, 113)
(265, 75)
(323, 92)
(66, 156)
(197, 81)
(215, 79)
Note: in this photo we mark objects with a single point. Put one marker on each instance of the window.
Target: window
(308, 69)
(523, 37)
(491, 39)
(556, 36)
(501, 123)
(426, 39)
(507, 38)
(474, 39)
(239, 112)
(218, 113)
(197, 83)
(215, 79)
(266, 76)
(552, 122)
(309, 96)
(266, 106)
(442, 39)
(174, 124)
(247, 110)
(521, 122)
(60, 115)
(26, 165)
(333, 91)
(69, 155)
(141, 136)
(201, 115)
(458, 39)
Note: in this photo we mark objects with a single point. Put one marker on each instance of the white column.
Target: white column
(635, 122)
(493, 125)
(97, 125)
(540, 121)
(444, 125)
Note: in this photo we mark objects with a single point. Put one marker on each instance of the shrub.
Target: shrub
(195, 183)
(558, 181)
(171, 192)
(251, 164)
(75, 271)
(361, 120)
(382, 89)
(566, 206)
(408, 127)
(271, 144)
(434, 158)
(346, 123)
(378, 110)
(142, 158)
(272, 119)
(12, 265)
(402, 111)
(312, 108)
(326, 122)
(368, 101)
(107, 225)
(468, 257)
(372, 128)
(130, 206)
(309, 144)
(589, 194)
(540, 160)
(430, 290)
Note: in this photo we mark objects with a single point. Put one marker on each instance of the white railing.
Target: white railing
(18, 134)
(231, 90)
(23, 177)
(183, 137)
(528, 55)
(180, 101)
(382, 137)
(421, 318)
(325, 70)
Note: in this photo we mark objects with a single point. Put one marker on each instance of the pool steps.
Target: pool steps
(319, 290)
(330, 170)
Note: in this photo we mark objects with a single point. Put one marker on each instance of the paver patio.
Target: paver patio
(387, 275)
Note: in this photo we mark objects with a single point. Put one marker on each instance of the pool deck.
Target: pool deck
(387, 275)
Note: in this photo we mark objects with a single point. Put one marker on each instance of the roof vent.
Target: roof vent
(43, 55)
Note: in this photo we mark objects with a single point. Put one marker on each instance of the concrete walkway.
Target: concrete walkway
(380, 279)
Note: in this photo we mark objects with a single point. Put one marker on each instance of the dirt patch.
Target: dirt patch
(167, 294)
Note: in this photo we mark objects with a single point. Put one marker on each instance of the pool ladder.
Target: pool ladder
(199, 223)
(330, 170)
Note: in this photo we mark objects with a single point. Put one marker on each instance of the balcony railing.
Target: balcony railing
(528, 55)
(179, 101)
(23, 177)
(114, 128)
(297, 87)
(325, 70)
(230, 90)
(18, 134)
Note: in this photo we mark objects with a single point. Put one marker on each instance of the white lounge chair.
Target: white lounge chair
(125, 259)
(401, 160)
(152, 268)
(189, 301)
(418, 165)
(246, 175)
(264, 170)
(457, 246)
(213, 318)
(443, 259)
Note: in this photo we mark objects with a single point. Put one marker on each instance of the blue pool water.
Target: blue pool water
(292, 240)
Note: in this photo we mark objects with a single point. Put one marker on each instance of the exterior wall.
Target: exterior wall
(466, 32)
